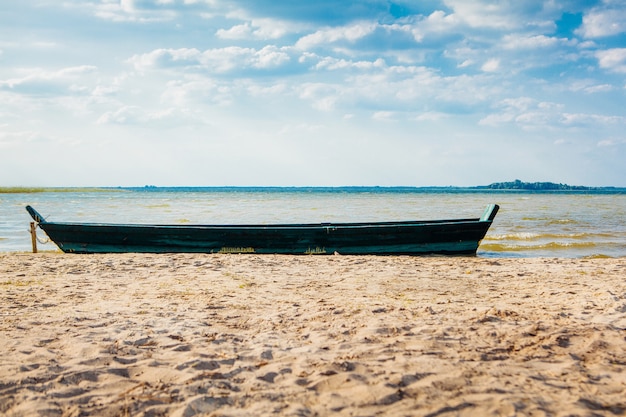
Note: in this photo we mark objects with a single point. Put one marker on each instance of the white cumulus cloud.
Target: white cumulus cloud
(326, 36)
(602, 22)
(612, 59)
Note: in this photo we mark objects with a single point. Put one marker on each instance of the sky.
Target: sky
(312, 93)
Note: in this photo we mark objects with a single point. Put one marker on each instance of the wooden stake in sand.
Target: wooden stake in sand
(33, 236)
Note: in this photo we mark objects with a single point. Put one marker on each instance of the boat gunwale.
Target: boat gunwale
(270, 225)
(487, 217)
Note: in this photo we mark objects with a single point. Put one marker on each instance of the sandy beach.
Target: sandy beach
(242, 335)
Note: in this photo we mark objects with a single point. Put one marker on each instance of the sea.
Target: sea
(568, 224)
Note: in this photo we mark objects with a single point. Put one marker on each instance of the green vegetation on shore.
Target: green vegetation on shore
(31, 190)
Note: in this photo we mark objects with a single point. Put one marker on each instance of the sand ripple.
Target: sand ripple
(240, 335)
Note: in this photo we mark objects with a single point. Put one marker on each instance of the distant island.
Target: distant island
(513, 186)
(538, 186)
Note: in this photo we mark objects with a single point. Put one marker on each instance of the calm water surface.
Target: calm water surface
(528, 224)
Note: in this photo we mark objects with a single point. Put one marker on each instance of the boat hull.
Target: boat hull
(446, 237)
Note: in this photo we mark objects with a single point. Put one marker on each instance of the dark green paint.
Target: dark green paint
(448, 237)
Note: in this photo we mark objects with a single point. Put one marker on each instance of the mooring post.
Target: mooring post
(33, 236)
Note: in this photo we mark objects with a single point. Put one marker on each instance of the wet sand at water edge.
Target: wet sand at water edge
(240, 335)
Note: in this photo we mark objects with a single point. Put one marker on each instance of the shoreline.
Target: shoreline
(486, 255)
(235, 335)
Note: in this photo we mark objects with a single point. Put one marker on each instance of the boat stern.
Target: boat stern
(490, 213)
(35, 215)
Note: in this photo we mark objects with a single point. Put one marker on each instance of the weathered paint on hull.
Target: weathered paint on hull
(449, 237)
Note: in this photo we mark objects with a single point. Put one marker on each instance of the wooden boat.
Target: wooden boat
(446, 237)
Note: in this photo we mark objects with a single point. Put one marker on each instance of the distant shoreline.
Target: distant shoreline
(542, 186)
(516, 186)
(33, 190)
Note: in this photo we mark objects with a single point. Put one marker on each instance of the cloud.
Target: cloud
(218, 60)
(524, 111)
(431, 116)
(141, 11)
(179, 92)
(9, 139)
(243, 31)
(118, 13)
(531, 114)
(589, 86)
(325, 12)
(492, 65)
(261, 29)
(612, 59)
(331, 63)
(322, 96)
(227, 59)
(404, 40)
(519, 41)
(270, 57)
(402, 89)
(332, 35)
(138, 116)
(604, 21)
(438, 22)
(161, 58)
(237, 58)
(318, 12)
(501, 15)
(610, 143)
(583, 119)
(384, 116)
(370, 85)
(124, 115)
(42, 82)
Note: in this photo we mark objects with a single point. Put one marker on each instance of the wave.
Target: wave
(528, 236)
(550, 220)
(504, 247)
(597, 256)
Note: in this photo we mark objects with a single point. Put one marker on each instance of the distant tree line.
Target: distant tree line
(535, 186)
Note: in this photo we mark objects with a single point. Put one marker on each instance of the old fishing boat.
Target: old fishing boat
(446, 237)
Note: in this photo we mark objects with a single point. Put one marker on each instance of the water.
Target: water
(572, 225)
